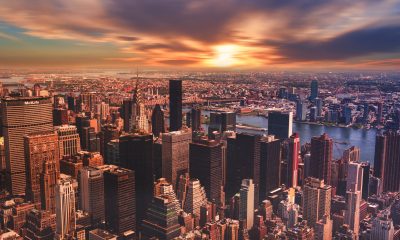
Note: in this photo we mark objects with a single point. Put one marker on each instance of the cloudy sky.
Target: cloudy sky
(203, 34)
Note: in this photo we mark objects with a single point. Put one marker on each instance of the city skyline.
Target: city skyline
(214, 35)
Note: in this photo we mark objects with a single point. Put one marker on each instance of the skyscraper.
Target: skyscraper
(40, 225)
(60, 116)
(222, 121)
(314, 89)
(270, 165)
(161, 219)
(175, 155)
(157, 121)
(195, 119)
(42, 168)
(175, 105)
(247, 202)
(382, 227)
(301, 111)
(69, 140)
(126, 112)
(195, 197)
(387, 161)
(243, 162)
(21, 116)
(280, 124)
(138, 119)
(354, 188)
(323, 228)
(292, 160)
(119, 194)
(91, 194)
(321, 157)
(206, 165)
(136, 153)
(65, 207)
(316, 200)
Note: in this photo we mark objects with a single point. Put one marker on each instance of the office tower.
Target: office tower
(40, 225)
(161, 219)
(280, 124)
(243, 162)
(89, 100)
(314, 89)
(387, 161)
(136, 153)
(365, 112)
(100, 234)
(175, 155)
(42, 168)
(354, 188)
(270, 165)
(195, 197)
(301, 111)
(313, 114)
(69, 140)
(21, 116)
(346, 115)
(318, 105)
(139, 121)
(323, 228)
(13, 213)
(379, 113)
(321, 158)
(266, 209)
(126, 112)
(119, 194)
(113, 152)
(71, 103)
(65, 207)
(91, 194)
(221, 122)
(103, 110)
(175, 105)
(157, 121)
(365, 185)
(292, 160)
(195, 119)
(316, 200)
(382, 227)
(60, 116)
(162, 187)
(205, 161)
(109, 132)
(247, 195)
(90, 140)
(157, 159)
(289, 212)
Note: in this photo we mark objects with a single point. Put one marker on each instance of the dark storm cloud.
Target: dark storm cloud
(361, 42)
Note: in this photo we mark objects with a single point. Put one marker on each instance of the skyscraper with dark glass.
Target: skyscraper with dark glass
(222, 121)
(280, 124)
(175, 105)
(243, 162)
(314, 89)
(136, 153)
(205, 164)
(321, 158)
(21, 116)
(195, 119)
(157, 121)
(270, 165)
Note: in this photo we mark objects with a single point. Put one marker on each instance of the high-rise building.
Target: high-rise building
(195, 197)
(221, 122)
(280, 124)
(69, 140)
(321, 157)
(126, 112)
(157, 121)
(323, 228)
(103, 110)
(382, 227)
(60, 116)
(91, 194)
(138, 119)
(175, 105)
(387, 161)
(40, 225)
(314, 89)
(71, 103)
(136, 153)
(119, 194)
(21, 116)
(42, 168)
(243, 162)
(292, 145)
(161, 219)
(354, 189)
(65, 207)
(89, 100)
(270, 165)
(301, 111)
(162, 187)
(175, 155)
(108, 132)
(247, 202)
(205, 161)
(366, 176)
(195, 119)
(316, 200)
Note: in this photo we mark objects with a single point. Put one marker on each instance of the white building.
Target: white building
(65, 207)
(247, 202)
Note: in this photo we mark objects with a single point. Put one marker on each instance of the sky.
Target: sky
(201, 34)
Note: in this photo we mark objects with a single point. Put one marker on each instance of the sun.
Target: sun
(225, 55)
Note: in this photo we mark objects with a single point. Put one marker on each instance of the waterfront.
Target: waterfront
(362, 138)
